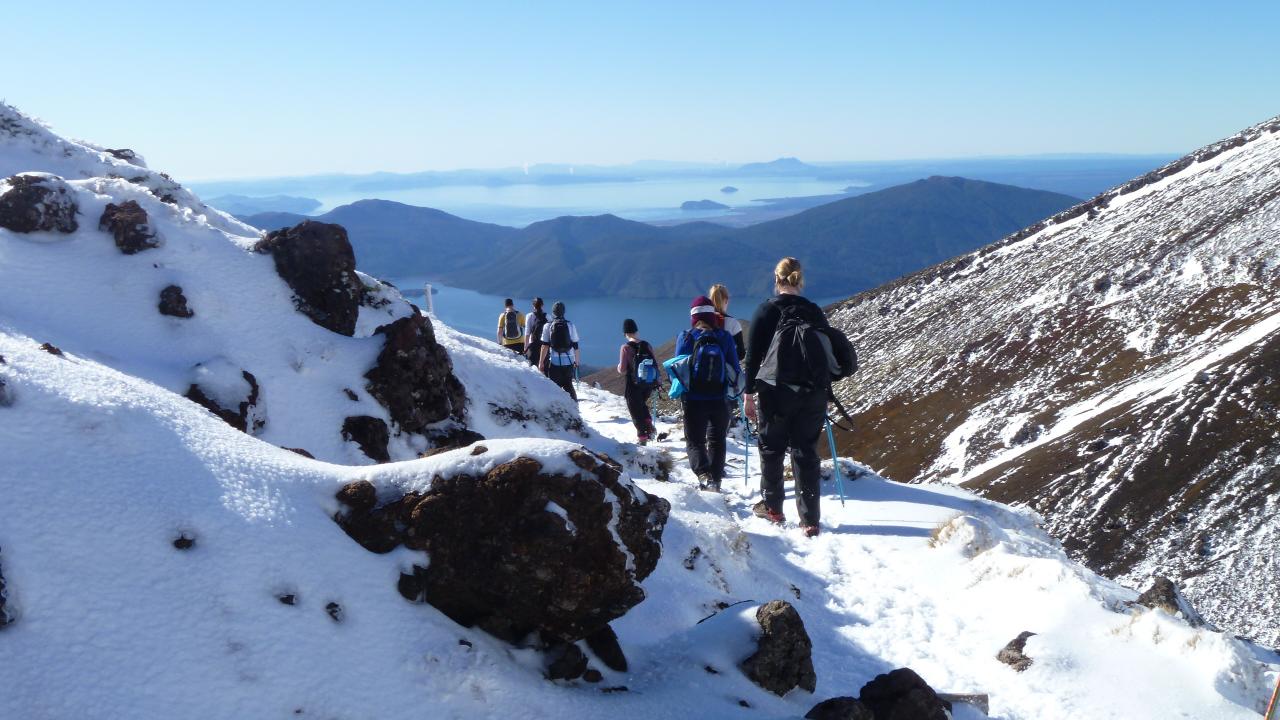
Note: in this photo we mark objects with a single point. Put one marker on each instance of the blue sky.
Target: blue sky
(251, 89)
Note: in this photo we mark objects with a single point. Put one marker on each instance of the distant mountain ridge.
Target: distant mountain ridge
(847, 245)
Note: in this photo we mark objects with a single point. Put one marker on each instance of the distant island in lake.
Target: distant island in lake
(702, 205)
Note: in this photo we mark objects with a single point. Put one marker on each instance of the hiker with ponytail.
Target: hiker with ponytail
(711, 376)
(791, 397)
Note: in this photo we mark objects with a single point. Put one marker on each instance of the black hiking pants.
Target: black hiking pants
(706, 423)
(791, 421)
(562, 375)
(638, 407)
(534, 353)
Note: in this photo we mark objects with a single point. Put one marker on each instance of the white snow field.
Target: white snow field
(103, 465)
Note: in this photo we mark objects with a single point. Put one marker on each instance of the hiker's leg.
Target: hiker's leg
(773, 448)
(562, 375)
(807, 422)
(695, 435)
(638, 410)
(718, 419)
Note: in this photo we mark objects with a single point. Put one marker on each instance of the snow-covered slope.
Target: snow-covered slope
(1114, 368)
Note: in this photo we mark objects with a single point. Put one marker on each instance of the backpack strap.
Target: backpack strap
(843, 412)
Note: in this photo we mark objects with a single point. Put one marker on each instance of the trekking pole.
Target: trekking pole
(1273, 708)
(746, 444)
(835, 462)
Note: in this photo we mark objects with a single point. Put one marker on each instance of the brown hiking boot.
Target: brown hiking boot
(761, 510)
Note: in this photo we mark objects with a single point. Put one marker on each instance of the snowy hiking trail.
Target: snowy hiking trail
(876, 592)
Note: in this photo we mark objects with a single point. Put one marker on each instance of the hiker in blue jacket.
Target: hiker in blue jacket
(713, 366)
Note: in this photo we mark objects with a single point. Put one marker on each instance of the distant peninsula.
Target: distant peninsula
(703, 205)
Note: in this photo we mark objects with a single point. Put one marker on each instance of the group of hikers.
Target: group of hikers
(779, 375)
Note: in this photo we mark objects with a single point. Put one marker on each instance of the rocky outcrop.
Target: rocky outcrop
(1014, 654)
(1164, 595)
(317, 262)
(902, 695)
(174, 303)
(520, 550)
(413, 377)
(6, 614)
(127, 223)
(370, 433)
(232, 398)
(784, 654)
(840, 708)
(36, 202)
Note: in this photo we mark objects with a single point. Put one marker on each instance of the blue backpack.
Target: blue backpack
(707, 374)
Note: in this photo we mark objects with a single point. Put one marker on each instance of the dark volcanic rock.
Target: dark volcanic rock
(184, 542)
(370, 433)
(903, 695)
(840, 708)
(503, 556)
(36, 202)
(7, 615)
(784, 654)
(122, 154)
(317, 262)
(1014, 654)
(174, 303)
(1164, 595)
(566, 662)
(127, 223)
(604, 643)
(51, 349)
(413, 377)
(241, 416)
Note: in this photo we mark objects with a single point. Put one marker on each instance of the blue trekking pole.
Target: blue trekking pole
(835, 462)
(746, 444)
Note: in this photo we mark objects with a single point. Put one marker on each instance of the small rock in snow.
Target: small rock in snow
(127, 223)
(184, 542)
(370, 433)
(902, 693)
(335, 612)
(784, 654)
(1013, 654)
(38, 202)
(51, 349)
(317, 262)
(174, 303)
(1164, 595)
(604, 643)
(566, 661)
(840, 708)
(288, 599)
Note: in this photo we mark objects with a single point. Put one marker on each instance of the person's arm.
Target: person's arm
(500, 315)
(624, 358)
(683, 343)
(759, 335)
(730, 350)
(573, 338)
(542, 361)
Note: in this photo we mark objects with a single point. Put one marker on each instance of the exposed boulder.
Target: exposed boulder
(840, 708)
(52, 349)
(1014, 654)
(229, 393)
(174, 303)
(38, 202)
(413, 377)
(903, 695)
(1164, 595)
(520, 550)
(7, 616)
(371, 434)
(124, 154)
(784, 654)
(604, 644)
(317, 262)
(127, 223)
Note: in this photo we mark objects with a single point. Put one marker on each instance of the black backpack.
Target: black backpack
(803, 353)
(511, 325)
(707, 373)
(643, 372)
(561, 340)
(539, 321)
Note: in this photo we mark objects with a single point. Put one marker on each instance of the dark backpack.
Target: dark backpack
(801, 353)
(707, 374)
(561, 340)
(643, 372)
(539, 322)
(511, 325)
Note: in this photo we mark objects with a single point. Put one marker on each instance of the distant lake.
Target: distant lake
(643, 200)
(599, 320)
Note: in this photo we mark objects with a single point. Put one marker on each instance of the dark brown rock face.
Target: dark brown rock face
(520, 550)
(317, 262)
(1014, 654)
(174, 303)
(370, 433)
(413, 377)
(127, 223)
(37, 203)
(239, 416)
(784, 654)
(903, 695)
(840, 708)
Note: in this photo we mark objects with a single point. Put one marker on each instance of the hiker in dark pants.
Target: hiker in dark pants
(511, 328)
(560, 355)
(719, 295)
(534, 323)
(713, 359)
(637, 363)
(790, 416)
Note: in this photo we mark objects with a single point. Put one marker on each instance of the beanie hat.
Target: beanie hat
(701, 310)
(629, 326)
(558, 309)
